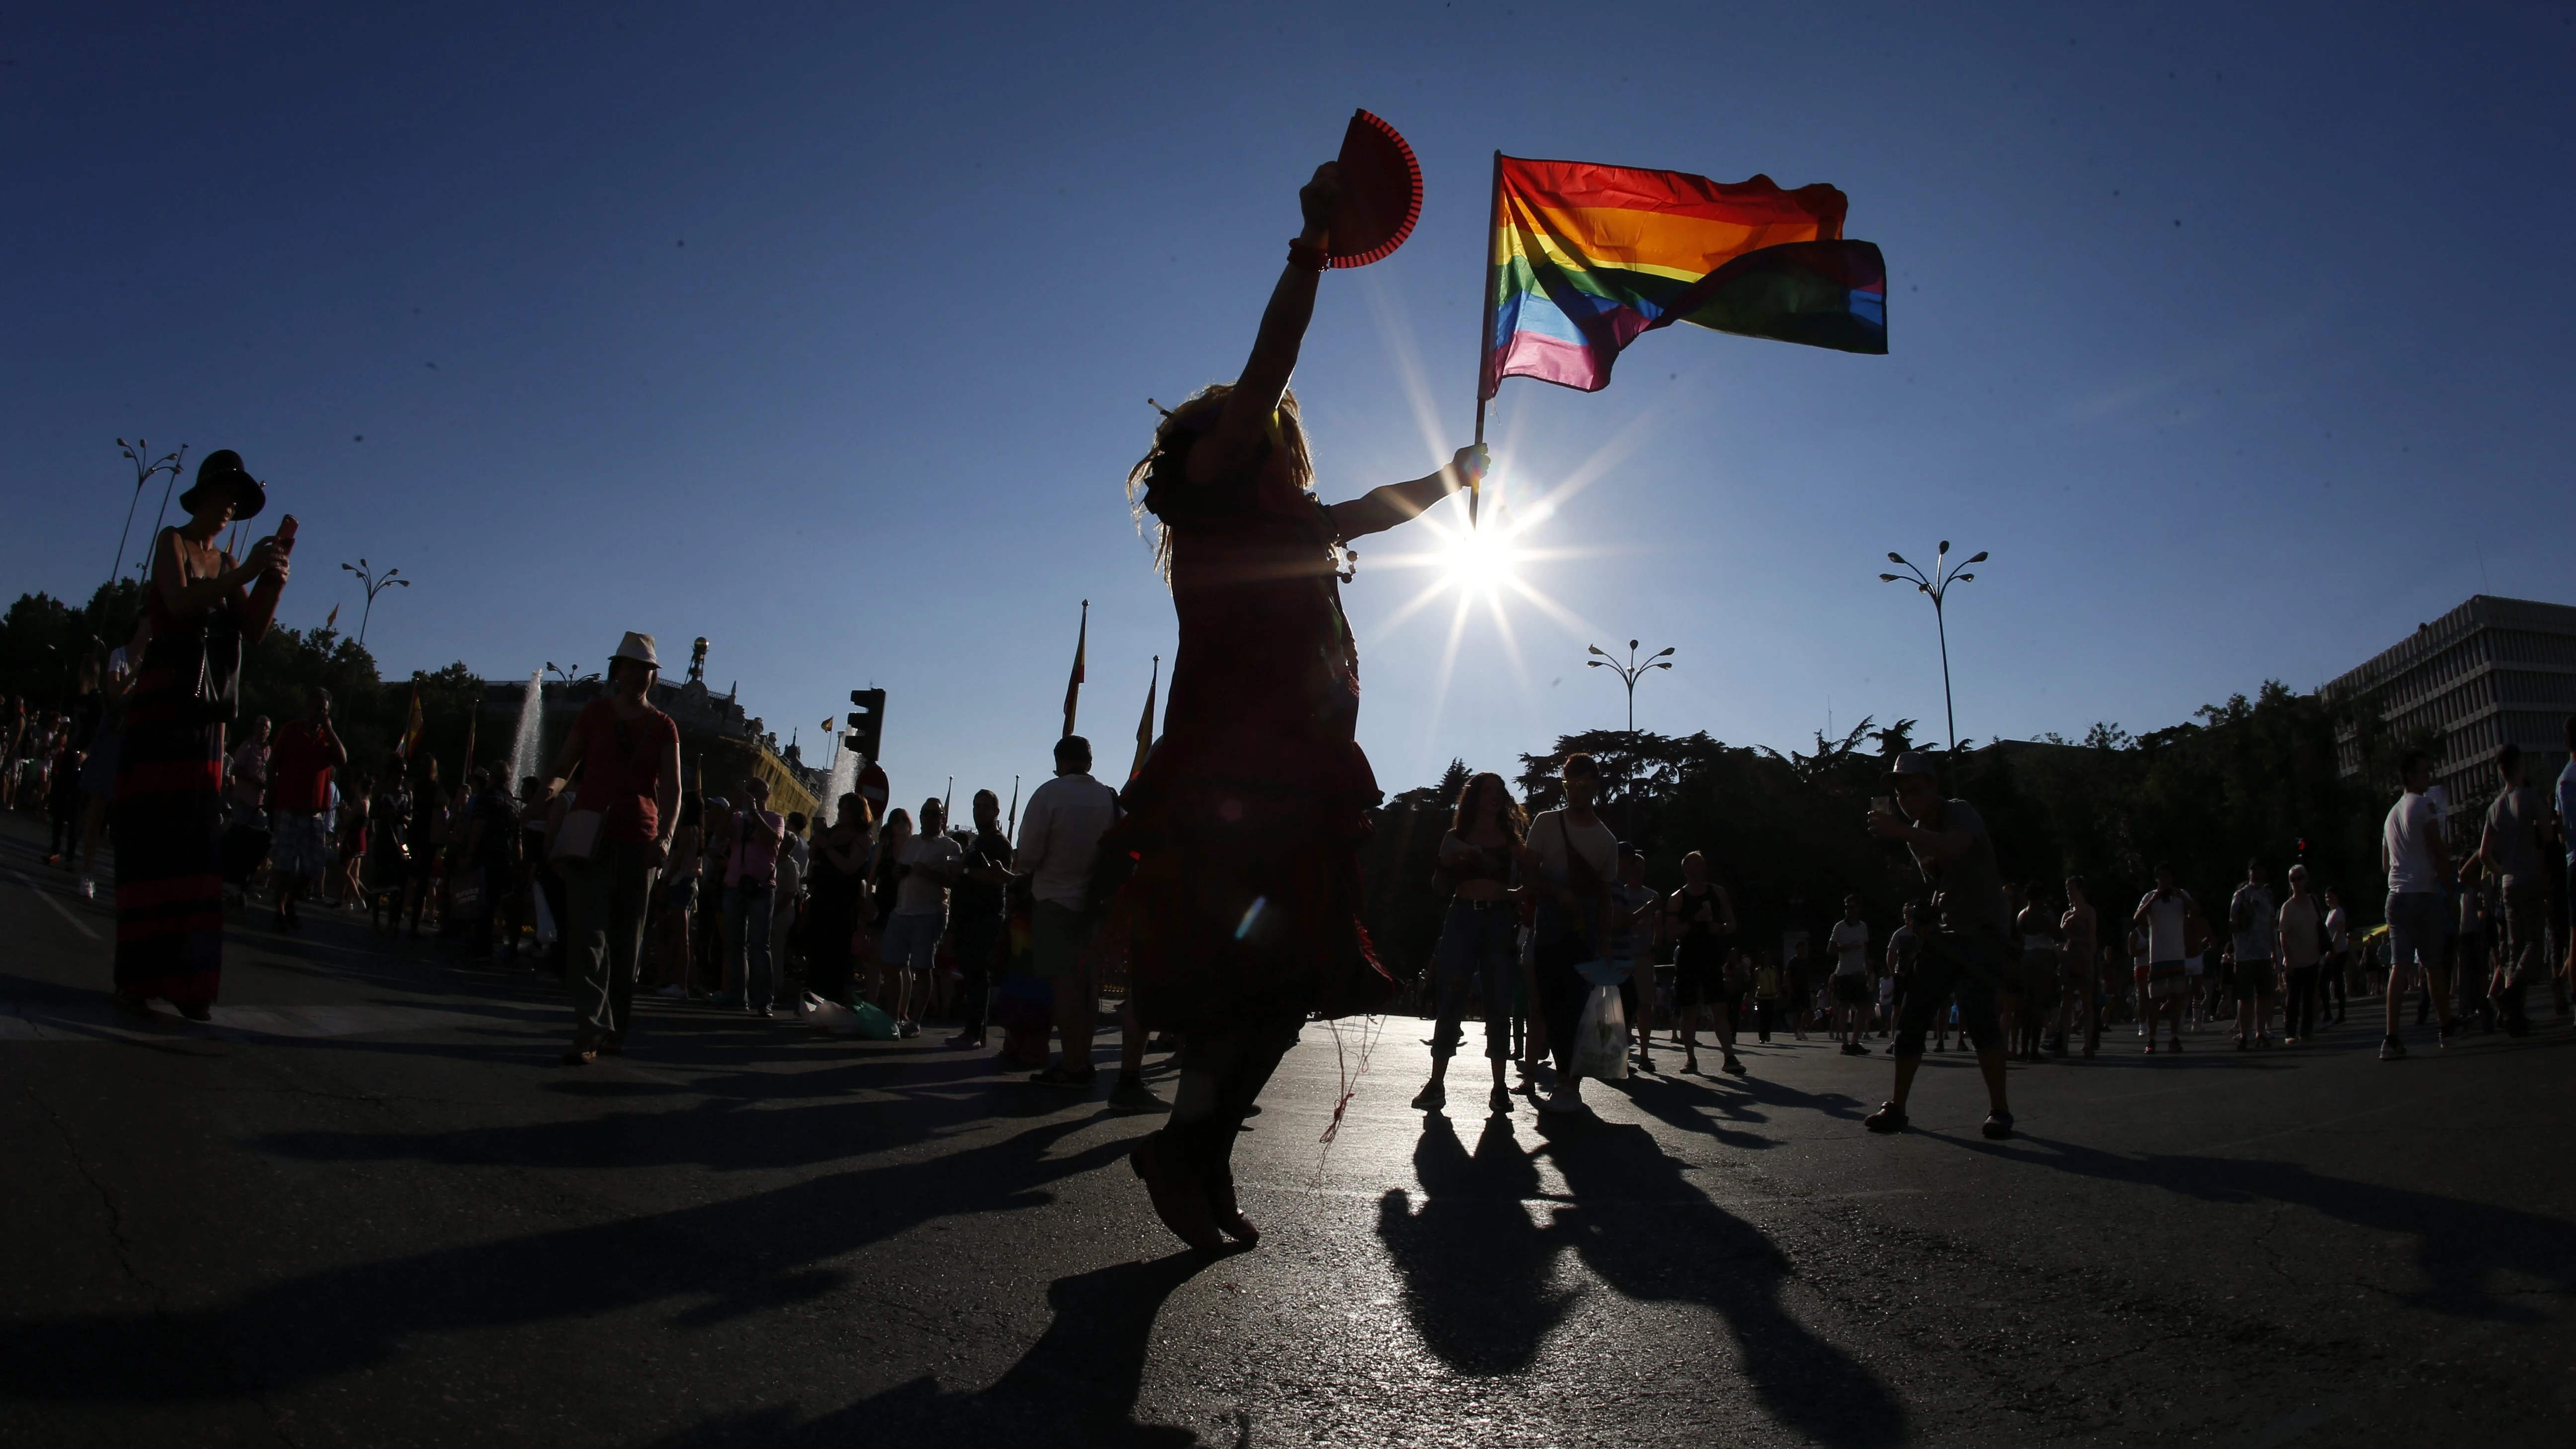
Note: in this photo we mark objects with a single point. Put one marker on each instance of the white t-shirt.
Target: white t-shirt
(1850, 941)
(1553, 831)
(2401, 839)
(1059, 833)
(2165, 924)
(920, 893)
(2338, 930)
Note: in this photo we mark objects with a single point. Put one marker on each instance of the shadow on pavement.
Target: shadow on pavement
(1076, 1385)
(1476, 1270)
(736, 1257)
(2461, 1246)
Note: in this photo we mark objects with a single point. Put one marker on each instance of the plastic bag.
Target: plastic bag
(1601, 1037)
(545, 919)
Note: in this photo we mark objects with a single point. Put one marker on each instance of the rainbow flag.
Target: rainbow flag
(1587, 257)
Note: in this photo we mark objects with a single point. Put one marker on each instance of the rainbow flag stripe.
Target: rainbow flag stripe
(1586, 258)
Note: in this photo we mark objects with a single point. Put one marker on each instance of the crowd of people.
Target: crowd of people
(1221, 886)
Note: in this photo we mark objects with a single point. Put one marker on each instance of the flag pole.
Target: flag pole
(1073, 689)
(1485, 326)
(1013, 828)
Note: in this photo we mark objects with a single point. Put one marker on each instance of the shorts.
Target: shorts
(912, 941)
(1057, 934)
(1851, 990)
(2167, 981)
(2255, 978)
(299, 843)
(98, 772)
(2416, 926)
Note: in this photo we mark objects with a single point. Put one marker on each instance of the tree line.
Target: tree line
(2245, 779)
(44, 639)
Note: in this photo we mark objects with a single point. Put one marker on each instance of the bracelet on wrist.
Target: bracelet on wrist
(1306, 255)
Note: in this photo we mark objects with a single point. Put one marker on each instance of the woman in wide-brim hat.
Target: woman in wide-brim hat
(200, 607)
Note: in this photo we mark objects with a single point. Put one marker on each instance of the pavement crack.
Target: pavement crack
(107, 1202)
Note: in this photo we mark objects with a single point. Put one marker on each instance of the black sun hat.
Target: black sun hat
(222, 469)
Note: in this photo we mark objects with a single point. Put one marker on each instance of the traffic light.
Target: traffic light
(867, 722)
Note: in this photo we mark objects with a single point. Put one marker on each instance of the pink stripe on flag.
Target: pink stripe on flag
(1549, 359)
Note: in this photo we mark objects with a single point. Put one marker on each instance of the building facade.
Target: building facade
(2489, 671)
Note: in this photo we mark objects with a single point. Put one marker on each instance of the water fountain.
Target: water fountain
(845, 778)
(532, 726)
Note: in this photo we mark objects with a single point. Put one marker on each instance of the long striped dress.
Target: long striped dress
(169, 813)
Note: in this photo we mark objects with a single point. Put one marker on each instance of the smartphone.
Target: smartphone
(1882, 804)
(286, 534)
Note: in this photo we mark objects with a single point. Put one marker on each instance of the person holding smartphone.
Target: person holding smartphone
(1966, 954)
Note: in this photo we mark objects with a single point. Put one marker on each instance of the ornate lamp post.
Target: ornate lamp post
(1943, 575)
(1629, 673)
(374, 585)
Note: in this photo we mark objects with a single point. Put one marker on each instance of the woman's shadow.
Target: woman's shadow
(1478, 1271)
(1076, 1385)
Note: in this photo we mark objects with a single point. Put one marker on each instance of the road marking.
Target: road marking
(60, 909)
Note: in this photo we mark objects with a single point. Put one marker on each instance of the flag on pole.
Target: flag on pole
(332, 622)
(411, 727)
(1073, 687)
(1145, 726)
(1586, 258)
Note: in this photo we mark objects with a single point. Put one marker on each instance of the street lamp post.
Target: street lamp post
(373, 584)
(1629, 673)
(1944, 574)
(169, 463)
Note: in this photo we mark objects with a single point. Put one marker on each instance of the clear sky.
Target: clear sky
(2236, 333)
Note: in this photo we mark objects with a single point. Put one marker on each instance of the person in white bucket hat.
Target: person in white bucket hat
(614, 840)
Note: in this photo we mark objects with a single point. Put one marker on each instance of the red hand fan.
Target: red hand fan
(1381, 193)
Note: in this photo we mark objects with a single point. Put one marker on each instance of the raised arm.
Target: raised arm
(1245, 423)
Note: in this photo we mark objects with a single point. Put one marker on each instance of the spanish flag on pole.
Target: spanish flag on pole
(1073, 687)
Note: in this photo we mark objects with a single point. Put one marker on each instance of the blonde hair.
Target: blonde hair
(1166, 464)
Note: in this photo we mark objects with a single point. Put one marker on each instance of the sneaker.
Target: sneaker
(2391, 1049)
(1646, 1062)
(1566, 1100)
(2452, 1028)
(1431, 1098)
(908, 1029)
(1130, 1094)
(1734, 1068)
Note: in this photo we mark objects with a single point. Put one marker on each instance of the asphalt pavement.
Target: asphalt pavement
(368, 1206)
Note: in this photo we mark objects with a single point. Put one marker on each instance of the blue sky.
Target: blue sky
(2235, 333)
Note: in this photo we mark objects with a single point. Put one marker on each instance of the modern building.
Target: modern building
(2489, 671)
